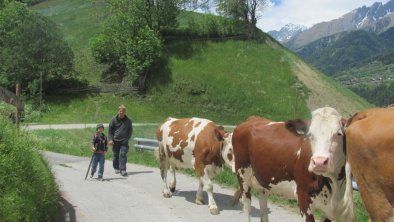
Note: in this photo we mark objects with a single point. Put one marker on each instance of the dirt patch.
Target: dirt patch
(324, 93)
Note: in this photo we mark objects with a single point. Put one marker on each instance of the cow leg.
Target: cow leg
(263, 199)
(199, 197)
(244, 179)
(163, 171)
(304, 203)
(208, 187)
(246, 201)
(173, 179)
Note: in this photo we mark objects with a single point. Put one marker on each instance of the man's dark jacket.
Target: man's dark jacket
(119, 129)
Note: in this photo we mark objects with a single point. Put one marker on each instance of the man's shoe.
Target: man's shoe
(123, 173)
(100, 178)
(117, 171)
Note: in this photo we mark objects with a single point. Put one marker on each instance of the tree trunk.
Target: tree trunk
(18, 111)
(141, 81)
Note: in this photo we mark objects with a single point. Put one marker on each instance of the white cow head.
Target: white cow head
(227, 151)
(326, 136)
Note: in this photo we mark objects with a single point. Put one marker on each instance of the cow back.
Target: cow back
(190, 143)
(370, 147)
(272, 151)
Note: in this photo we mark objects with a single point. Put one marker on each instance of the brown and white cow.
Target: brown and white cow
(268, 152)
(370, 150)
(193, 143)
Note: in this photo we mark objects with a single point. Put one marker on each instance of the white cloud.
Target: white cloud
(307, 12)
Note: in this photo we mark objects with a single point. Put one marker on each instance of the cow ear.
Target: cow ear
(344, 124)
(220, 133)
(297, 127)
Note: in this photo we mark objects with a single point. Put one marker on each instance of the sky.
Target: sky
(306, 12)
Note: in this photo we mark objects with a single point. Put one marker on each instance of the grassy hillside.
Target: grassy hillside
(79, 20)
(226, 81)
(203, 83)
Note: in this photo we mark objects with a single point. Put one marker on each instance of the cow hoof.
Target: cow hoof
(172, 189)
(199, 202)
(214, 211)
(167, 195)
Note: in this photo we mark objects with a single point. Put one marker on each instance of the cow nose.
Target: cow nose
(320, 163)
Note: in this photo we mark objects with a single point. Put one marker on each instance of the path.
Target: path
(138, 197)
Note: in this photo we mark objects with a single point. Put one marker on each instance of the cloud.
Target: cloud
(276, 2)
(306, 12)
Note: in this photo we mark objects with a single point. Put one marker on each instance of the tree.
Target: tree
(3, 3)
(130, 41)
(31, 45)
(246, 10)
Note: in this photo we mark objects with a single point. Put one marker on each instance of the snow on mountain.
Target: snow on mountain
(287, 32)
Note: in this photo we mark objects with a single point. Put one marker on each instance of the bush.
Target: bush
(206, 26)
(28, 191)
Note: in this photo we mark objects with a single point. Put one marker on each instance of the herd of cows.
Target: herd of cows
(320, 155)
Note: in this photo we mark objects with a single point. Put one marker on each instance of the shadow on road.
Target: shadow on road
(67, 211)
(114, 178)
(138, 172)
(223, 201)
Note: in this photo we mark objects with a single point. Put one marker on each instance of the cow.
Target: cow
(193, 143)
(268, 152)
(370, 152)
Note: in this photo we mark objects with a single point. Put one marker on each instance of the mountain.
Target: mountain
(376, 18)
(287, 32)
(345, 50)
(355, 50)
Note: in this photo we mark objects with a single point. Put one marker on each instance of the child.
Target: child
(99, 148)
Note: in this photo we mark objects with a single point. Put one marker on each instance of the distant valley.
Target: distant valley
(356, 50)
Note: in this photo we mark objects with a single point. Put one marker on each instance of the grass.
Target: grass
(94, 108)
(203, 83)
(233, 87)
(322, 91)
(77, 142)
(28, 191)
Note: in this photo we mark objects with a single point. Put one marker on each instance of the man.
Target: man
(119, 133)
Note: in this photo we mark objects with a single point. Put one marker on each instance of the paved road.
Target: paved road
(138, 197)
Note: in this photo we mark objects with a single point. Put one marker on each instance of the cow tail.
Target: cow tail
(159, 152)
(348, 212)
(237, 195)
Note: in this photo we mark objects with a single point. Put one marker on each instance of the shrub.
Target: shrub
(28, 191)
